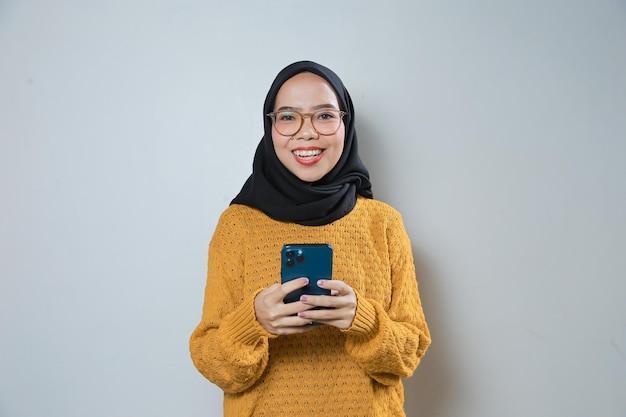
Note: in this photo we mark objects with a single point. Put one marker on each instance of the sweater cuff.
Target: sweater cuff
(242, 326)
(365, 322)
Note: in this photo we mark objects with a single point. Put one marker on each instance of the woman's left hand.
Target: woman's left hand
(338, 309)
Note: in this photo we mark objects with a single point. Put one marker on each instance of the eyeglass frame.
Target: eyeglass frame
(272, 116)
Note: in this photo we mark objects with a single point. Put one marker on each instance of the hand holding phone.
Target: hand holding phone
(313, 261)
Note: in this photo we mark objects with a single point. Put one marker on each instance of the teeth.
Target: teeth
(307, 153)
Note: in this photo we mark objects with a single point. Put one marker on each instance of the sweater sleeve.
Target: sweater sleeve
(229, 347)
(389, 343)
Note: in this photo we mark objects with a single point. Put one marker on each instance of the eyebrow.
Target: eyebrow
(318, 107)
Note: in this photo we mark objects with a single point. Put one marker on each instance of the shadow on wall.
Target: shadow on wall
(430, 387)
(429, 391)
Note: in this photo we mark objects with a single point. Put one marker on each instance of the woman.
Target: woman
(309, 185)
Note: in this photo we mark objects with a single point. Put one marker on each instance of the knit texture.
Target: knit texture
(326, 371)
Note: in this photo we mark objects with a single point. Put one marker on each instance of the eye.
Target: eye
(286, 117)
(326, 115)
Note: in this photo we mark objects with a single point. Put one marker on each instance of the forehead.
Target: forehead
(304, 90)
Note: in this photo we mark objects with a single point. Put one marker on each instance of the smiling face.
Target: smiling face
(309, 156)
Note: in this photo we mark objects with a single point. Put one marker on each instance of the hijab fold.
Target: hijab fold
(281, 195)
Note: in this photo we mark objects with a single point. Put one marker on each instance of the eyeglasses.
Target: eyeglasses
(325, 122)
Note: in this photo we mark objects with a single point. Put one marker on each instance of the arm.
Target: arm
(229, 347)
(389, 344)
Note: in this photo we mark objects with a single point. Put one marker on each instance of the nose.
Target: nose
(307, 131)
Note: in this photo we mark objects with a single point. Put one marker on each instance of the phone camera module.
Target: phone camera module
(293, 256)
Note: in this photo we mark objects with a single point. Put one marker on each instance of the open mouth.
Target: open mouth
(308, 153)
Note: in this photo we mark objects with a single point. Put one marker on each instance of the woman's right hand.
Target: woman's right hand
(278, 317)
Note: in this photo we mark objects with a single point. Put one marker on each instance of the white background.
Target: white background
(497, 128)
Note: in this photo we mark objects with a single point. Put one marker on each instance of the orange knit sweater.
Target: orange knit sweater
(326, 371)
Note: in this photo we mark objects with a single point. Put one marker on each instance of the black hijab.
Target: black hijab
(283, 196)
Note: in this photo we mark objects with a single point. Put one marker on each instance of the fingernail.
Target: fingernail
(321, 282)
(305, 280)
(304, 298)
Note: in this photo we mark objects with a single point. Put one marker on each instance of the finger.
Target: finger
(336, 287)
(320, 301)
(340, 318)
(297, 321)
(294, 284)
(281, 291)
(321, 316)
(292, 325)
(314, 300)
(292, 309)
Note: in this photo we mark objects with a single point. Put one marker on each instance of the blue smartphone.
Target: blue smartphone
(311, 260)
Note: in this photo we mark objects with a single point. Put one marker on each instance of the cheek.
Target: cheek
(341, 139)
(280, 147)
(277, 140)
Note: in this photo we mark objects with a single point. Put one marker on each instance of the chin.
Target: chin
(309, 178)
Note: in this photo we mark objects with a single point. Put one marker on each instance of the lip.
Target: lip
(308, 160)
